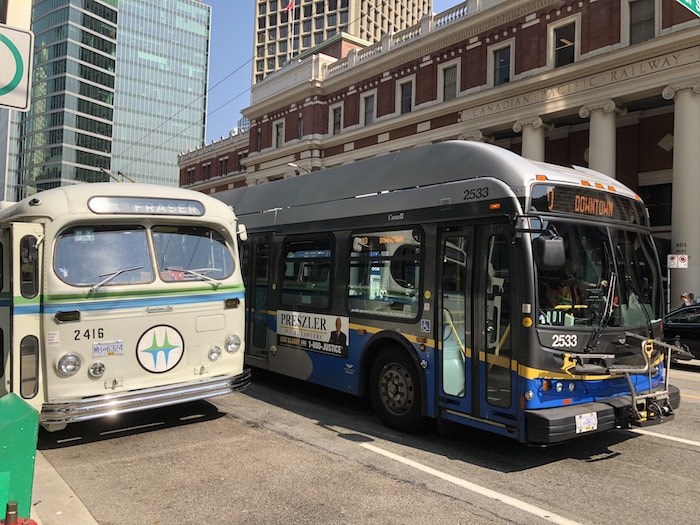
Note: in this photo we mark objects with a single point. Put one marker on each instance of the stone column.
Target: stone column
(533, 137)
(686, 185)
(601, 135)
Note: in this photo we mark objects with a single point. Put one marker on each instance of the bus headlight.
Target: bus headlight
(68, 365)
(96, 370)
(214, 352)
(233, 343)
(559, 387)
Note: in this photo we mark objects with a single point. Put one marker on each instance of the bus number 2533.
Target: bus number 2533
(564, 340)
(476, 193)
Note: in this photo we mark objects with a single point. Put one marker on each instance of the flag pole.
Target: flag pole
(290, 28)
(294, 10)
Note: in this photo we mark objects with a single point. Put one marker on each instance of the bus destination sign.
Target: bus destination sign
(585, 201)
(145, 206)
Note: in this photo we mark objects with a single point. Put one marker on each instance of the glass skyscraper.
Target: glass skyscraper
(119, 90)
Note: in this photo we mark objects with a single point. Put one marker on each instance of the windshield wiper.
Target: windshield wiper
(111, 276)
(200, 276)
(631, 284)
(607, 312)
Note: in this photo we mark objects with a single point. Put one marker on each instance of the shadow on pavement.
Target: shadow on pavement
(128, 424)
(353, 419)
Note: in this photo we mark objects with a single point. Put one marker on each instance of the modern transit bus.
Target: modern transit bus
(119, 297)
(433, 281)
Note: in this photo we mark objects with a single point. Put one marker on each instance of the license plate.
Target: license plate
(586, 422)
(107, 348)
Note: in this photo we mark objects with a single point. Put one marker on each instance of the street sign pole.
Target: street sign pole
(671, 262)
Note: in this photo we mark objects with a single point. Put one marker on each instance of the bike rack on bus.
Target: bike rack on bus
(655, 405)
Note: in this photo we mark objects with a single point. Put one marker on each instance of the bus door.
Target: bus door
(5, 313)
(476, 380)
(494, 316)
(257, 298)
(455, 320)
(24, 308)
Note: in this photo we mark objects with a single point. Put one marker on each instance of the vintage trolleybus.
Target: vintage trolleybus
(117, 298)
(462, 282)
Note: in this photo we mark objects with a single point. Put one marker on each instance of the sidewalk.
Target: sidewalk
(53, 501)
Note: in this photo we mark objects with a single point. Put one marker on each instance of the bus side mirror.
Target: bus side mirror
(242, 232)
(549, 252)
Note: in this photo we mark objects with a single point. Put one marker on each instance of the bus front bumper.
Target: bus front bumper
(59, 413)
(554, 425)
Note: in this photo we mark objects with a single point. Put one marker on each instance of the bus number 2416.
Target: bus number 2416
(89, 333)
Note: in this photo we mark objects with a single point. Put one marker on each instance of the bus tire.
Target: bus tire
(395, 391)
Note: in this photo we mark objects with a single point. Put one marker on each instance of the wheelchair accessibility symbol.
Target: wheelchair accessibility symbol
(425, 326)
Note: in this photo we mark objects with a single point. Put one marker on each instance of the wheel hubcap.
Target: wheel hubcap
(396, 388)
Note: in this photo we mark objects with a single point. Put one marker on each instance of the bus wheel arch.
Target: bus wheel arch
(395, 386)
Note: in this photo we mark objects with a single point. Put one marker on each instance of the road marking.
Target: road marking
(532, 509)
(664, 436)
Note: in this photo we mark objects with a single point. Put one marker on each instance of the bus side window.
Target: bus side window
(29, 266)
(306, 278)
(385, 273)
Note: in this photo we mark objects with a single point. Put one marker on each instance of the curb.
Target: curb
(53, 501)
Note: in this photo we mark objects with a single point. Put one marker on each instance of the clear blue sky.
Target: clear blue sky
(230, 66)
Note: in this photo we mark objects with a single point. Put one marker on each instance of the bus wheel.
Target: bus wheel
(395, 391)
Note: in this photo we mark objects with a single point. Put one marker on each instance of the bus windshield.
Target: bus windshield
(86, 256)
(100, 256)
(609, 278)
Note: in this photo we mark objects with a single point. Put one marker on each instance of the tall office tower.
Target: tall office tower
(285, 28)
(119, 90)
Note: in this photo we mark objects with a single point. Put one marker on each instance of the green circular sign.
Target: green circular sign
(19, 66)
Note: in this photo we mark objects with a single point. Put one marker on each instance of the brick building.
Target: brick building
(609, 84)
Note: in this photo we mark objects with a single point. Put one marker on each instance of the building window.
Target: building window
(190, 176)
(368, 109)
(405, 97)
(258, 140)
(564, 44)
(336, 119)
(642, 20)
(657, 199)
(501, 66)
(449, 83)
(279, 134)
(223, 166)
(300, 127)
(206, 171)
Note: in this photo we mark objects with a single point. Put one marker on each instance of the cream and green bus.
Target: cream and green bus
(119, 298)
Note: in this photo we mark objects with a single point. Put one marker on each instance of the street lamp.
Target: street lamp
(297, 167)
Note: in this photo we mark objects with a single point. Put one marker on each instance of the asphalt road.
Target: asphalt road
(287, 452)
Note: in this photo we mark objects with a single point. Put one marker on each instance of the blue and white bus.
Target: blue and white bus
(119, 297)
(461, 282)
